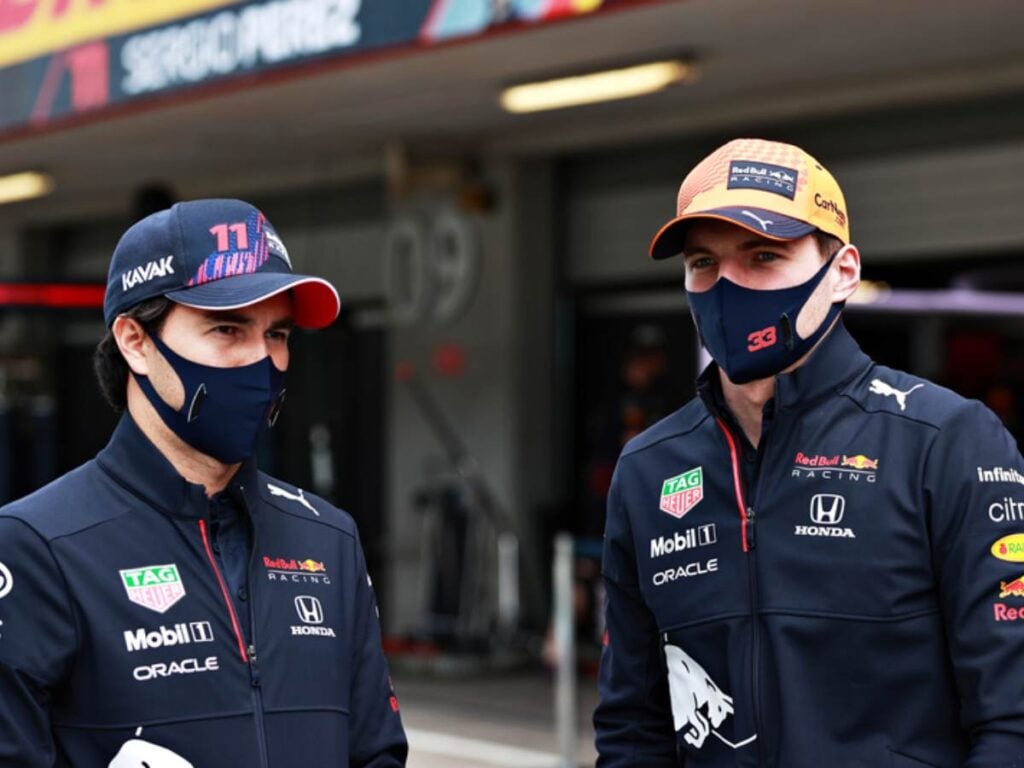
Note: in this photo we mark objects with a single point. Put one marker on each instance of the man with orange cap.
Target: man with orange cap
(803, 564)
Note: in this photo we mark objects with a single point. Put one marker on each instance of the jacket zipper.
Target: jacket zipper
(746, 513)
(224, 592)
(748, 520)
(248, 654)
(254, 670)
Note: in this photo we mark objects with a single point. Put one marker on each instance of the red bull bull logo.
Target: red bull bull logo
(860, 461)
(313, 566)
(1013, 588)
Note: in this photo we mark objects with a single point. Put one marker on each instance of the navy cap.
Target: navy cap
(211, 254)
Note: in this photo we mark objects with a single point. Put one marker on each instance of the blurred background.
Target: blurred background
(480, 179)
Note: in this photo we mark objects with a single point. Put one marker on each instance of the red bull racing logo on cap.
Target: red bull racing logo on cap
(746, 174)
(683, 492)
(1010, 548)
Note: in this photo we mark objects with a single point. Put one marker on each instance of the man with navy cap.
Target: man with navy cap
(819, 561)
(167, 604)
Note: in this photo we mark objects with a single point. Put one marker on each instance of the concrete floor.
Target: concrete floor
(487, 721)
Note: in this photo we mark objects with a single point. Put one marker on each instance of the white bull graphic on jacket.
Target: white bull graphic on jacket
(698, 705)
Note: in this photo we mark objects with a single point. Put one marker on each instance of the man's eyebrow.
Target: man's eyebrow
(762, 242)
(688, 252)
(284, 323)
(215, 316)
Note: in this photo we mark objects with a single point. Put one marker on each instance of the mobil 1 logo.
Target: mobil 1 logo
(143, 639)
(682, 541)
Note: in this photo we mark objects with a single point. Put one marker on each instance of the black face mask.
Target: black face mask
(751, 333)
(225, 409)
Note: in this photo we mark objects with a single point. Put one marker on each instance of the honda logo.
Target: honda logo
(309, 609)
(827, 508)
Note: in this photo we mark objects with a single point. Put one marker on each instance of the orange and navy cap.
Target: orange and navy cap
(774, 189)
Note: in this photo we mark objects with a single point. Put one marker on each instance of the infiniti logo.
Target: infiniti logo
(827, 508)
(309, 609)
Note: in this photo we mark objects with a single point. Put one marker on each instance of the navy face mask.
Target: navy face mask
(225, 409)
(751, 334)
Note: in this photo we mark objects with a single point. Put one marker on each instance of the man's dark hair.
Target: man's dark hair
(109, 364)
(828, 245)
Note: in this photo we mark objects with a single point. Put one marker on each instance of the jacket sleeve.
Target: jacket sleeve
(973, 478)
(378, 739)
(633, 721)
(37, 642)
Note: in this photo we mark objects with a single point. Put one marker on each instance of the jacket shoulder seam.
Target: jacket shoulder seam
(903, 416)
(678, 433)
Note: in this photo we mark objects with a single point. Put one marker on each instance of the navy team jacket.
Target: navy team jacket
(848, 595)
(120, 646)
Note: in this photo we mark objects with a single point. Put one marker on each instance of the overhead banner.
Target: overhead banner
(66, 57)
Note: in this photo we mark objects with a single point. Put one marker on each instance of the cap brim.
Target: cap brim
(672, 237)
(316, 303)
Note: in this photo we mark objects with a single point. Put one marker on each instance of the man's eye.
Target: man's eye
(764, 256)
(702, 262)
(278, 335)
(226, 330)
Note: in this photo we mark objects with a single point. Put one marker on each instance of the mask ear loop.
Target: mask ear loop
(786, 324)
(197, 402)
(787, 330)
(275, 409)
(199, 396)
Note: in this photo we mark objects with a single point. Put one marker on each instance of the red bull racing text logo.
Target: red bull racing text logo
(1004, 612)
(840, 466)
(289, 569)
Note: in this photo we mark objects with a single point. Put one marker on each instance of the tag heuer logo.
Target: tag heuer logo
(156, 587)
(683, 492)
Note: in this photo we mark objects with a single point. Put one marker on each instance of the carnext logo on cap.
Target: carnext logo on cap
(746, 174)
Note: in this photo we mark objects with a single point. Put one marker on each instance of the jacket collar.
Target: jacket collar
(138, 466)
(831, 366)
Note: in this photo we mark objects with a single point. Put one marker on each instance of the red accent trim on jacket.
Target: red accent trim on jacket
(740, 501)
(224, 591)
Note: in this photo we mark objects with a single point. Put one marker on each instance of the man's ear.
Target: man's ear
(132, 340)
(848, 266)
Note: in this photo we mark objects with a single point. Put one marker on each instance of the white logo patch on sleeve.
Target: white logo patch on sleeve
(301, 498)
(879, 387)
